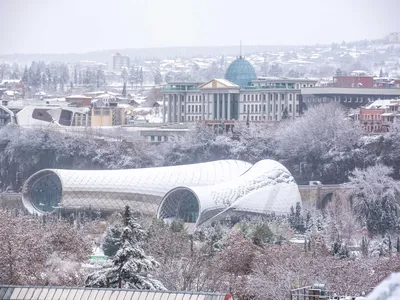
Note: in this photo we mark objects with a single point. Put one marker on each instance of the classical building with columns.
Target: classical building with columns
(240, 96)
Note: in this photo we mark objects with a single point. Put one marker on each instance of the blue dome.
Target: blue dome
(240, 72)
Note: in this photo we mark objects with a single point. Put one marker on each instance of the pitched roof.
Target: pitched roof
(218, 83)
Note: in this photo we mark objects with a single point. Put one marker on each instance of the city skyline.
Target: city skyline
(78, 27)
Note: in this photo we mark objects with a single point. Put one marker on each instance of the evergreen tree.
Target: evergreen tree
(130, 265)
(285, 114)
(398, 245)
(37, 81)
(157, 77)
(141, 76)
(124, 75)
(124, 90)
(25, 76)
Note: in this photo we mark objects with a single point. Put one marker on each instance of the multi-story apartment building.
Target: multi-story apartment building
(120, 61)
(242, 97)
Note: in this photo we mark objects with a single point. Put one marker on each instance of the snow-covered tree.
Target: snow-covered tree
(376, 198)
(130, 266)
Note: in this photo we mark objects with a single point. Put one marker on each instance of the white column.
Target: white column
(279, 106)
(163, 110)
(174, 108)
(223, 107)
(203, 108)
(274, 102)
(218, 114)
(229, 106)
(180, 108)
(185, 107)
(169, 108)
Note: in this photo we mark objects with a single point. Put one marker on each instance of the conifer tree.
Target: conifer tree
(130, 266)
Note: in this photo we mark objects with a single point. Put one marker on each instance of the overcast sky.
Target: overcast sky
(65, 26)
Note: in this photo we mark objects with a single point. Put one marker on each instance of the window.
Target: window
(252, 108)
(282, 107)
(252, 118)
(244, 97)
(196, 108)
(188, 108)
(264, 107)
(199, 117)
(290, 97)
(199, 108)
(256, 97)
(290, 107)
(41, 114)
(283, 96)
(159, 138)
(244, 117)
(265, 97)
(97, 112)
(252, 97)
(106, 112)
(244, 108)
(256, 107)
(152, 138)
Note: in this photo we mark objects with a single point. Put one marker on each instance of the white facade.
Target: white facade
(220, 99)
(267, 187)
(142, 189)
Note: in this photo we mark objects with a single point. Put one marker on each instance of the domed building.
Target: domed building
(240, 72)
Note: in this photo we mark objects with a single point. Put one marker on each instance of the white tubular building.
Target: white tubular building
(142, 189)
(267, 187)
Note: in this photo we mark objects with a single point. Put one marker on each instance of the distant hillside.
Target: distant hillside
(145, 53)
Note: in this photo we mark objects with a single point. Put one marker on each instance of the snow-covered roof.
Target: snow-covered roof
(14, 292)
(142, 189)
(78, 97)
(267, 187)
(380, 103)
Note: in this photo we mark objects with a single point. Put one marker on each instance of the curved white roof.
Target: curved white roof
(267, 187)
(142, 189)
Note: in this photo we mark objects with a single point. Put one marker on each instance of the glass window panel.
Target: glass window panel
(50, 294)
(78, 295)
(136, 296)
(121, 295)
(93, 295)
(114, 295)
(71, 295)
(2, 292)
(29, 293)
(107, 295)
(8, 293)
(43, 294)
(150, 296)
(128, 296)
(164, 296)
(85, 295)
(64, 294)
(179, 296)
(57, 294)
(22, 293)
(100, 295)
(14, 294)
(194, 297)
(157, 296)
(187, 297)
